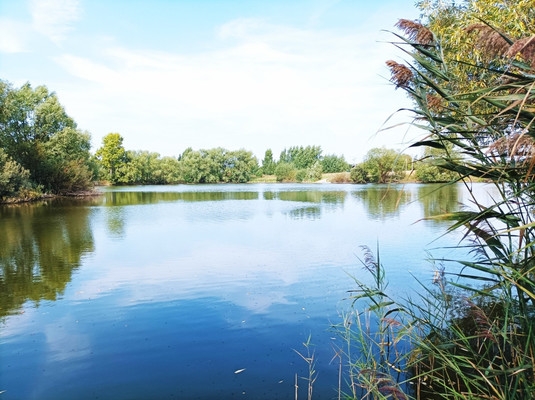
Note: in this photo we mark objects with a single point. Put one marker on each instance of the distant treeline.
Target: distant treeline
(218, 165)
(43, 151)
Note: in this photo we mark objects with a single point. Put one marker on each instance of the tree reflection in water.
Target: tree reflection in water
(384, 201)
(40, 246)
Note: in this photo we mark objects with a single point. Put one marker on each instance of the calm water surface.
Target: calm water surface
(165, 292)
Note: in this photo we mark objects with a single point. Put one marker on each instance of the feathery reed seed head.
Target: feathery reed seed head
(489, 40)
(526, 48)
(415, 31)
(517, 146)
(401, 74)
(434, 103)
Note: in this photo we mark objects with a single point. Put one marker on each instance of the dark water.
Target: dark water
(167, 292)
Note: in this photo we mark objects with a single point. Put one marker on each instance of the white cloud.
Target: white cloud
(13, 36)
(87, 69)
(264, 84)
(54, 18)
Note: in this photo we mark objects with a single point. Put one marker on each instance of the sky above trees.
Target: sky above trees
(168, 75)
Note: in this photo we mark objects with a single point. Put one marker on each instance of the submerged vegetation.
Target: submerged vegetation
(471, 335)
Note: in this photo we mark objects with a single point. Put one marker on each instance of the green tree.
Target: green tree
(37, 133)
(268, 164)
(239, 166)
(332, 163)
(66, 167)
(472, 34)
(429, 169)
(310, 174)
(383, 165)
(301, 157)
(217, 165)
(28, 119)
(285, 172)
(113, 157)
(12, 176)
(358, 174)
(140, 168)
(169, 170)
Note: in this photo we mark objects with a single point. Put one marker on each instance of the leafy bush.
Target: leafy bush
(285, 172)
(311, 174)
(333, 163)
(13, 177)
(383, 165)
(429, 169)
(358, 174)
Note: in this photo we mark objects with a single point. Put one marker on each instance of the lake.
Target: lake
(200, 292)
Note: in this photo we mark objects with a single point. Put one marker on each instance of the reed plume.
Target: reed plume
(526, 48)
(489, 40)
(401, 75)
(416, 32)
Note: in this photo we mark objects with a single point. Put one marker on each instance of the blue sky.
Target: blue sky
(168, 75)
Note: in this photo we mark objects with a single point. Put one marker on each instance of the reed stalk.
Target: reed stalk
(472, 334)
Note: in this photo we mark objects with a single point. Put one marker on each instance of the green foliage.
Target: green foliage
(268, 164)
(311, 174)
(467, 38)
(239, 166)
(12, 176)
(333, 163)
(66, 167)
(113, 157)
(217, 165)
(37, 134)
(168, 170)
(285, 172)
(429, 169)
(383, 165)
(475, 335)
(28, 118)
(301, 157)
(358, 174)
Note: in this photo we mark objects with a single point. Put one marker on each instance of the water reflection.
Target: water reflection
(305, 212)
(324, 199)
(438, 199)
(40, 246)
(383, 201)
(193, 284)
(124, 198)
(308, 196)
(115, 222)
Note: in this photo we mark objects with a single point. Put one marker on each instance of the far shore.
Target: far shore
(339, 177)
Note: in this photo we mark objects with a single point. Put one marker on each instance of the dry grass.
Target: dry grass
(264, 179)
(338, 177)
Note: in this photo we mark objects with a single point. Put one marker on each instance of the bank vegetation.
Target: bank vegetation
(469, 69)
(44, 153)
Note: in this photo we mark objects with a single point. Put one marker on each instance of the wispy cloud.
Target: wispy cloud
(259, 85)
(54, 18)
(13, 36)
(263, 79)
